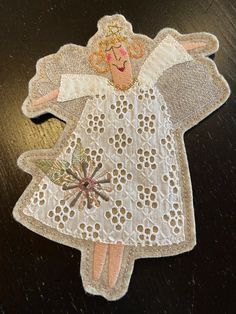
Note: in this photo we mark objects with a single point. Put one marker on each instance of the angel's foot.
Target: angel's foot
(99, 257)
(115, 261)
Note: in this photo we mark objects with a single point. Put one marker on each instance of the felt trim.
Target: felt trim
(25, 161)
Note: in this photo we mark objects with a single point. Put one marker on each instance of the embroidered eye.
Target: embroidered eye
(109, 57)
(123, 51)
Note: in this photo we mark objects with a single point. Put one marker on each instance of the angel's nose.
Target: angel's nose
(116, 57)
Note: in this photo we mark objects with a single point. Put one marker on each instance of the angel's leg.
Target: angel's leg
(115, 261)
(99, 257)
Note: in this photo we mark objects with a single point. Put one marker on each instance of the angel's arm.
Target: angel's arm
(167, 53)
(175, 49)
(45, 86)
(188, 81)
(193, 89)
(73, 86)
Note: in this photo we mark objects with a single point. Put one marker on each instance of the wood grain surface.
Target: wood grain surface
(40, 276)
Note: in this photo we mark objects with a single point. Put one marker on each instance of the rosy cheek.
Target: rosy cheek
(123, 51)
(109, 57)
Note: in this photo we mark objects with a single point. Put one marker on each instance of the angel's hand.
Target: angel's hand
(193, 45)
(203, 44)
(42, 102)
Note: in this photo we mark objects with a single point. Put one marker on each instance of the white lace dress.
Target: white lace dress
(130, 134)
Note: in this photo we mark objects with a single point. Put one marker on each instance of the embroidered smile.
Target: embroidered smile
(121, 69)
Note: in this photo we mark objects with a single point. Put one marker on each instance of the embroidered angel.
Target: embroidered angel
(117, 185)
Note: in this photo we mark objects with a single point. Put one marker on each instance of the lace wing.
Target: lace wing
(192, 90)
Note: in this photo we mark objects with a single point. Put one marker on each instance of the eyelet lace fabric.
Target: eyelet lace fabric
(130, 135)
(140, 156)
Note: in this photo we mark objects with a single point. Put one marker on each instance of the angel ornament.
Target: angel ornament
(116, 185)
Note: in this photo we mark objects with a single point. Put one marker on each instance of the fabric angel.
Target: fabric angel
(117, 185)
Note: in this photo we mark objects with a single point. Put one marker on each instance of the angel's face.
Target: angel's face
(118, 59)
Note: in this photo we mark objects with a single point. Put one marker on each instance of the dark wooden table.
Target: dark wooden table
(40, 276)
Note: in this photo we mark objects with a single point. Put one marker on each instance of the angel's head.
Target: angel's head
(114, 53)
